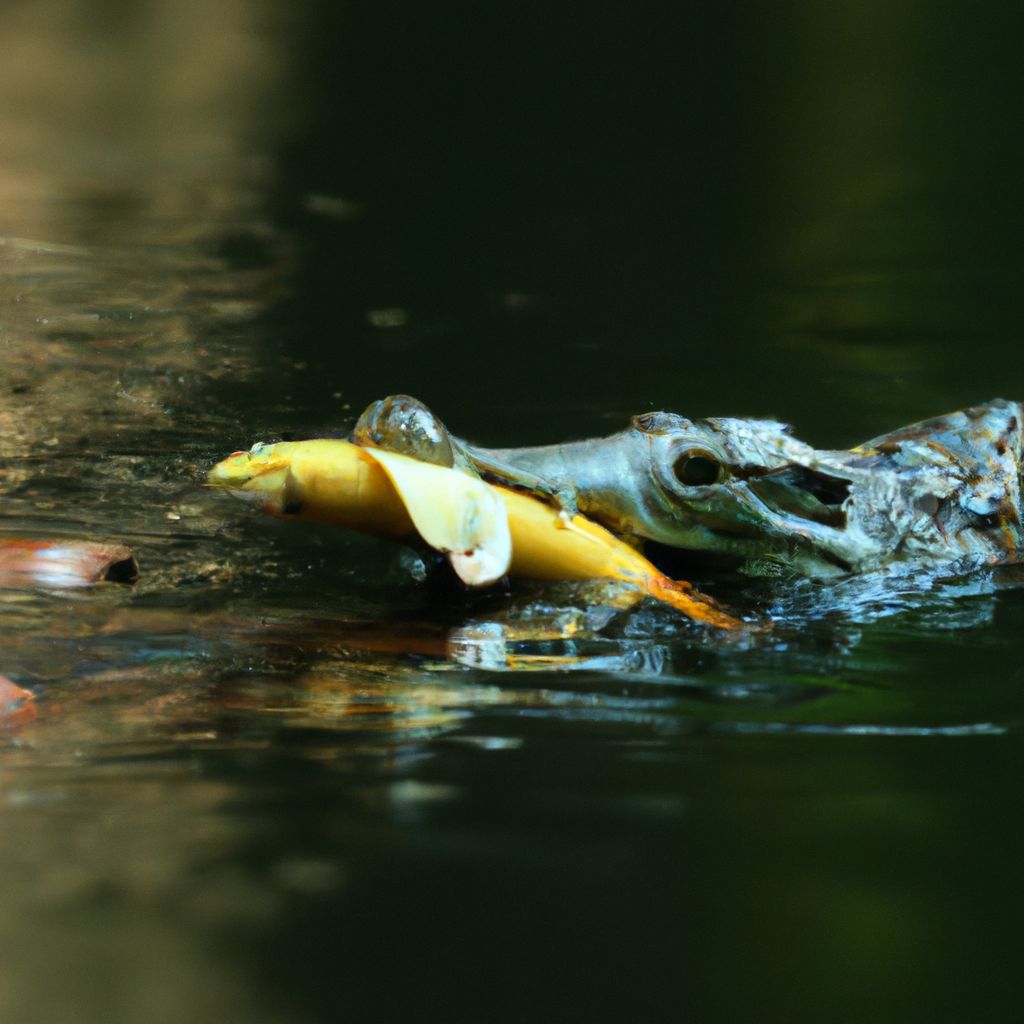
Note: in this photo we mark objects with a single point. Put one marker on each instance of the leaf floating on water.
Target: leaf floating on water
(17, 706)
(65, 563)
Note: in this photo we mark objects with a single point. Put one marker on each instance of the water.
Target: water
(277, 781)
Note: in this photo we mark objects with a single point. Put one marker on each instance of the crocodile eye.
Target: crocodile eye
(698, 470)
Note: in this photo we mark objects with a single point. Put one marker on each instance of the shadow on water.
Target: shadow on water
(277, 780)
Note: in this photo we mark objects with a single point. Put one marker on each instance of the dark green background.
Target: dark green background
(756, 208)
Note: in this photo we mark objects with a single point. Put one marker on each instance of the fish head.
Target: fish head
(259, 475)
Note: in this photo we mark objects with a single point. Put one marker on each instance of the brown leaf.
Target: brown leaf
(17, 706)
(64, 563)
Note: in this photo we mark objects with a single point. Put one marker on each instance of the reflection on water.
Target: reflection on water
(278, 781)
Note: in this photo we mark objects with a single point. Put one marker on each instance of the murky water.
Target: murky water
(279, 781)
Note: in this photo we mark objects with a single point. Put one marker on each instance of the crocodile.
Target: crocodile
(939, 492)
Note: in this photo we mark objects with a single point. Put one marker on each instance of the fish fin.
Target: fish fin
(454, 513)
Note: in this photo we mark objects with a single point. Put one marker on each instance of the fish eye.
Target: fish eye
(698, 469)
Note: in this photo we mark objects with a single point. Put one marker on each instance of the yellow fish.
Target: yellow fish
(486, 531)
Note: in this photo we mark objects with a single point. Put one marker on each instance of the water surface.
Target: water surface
(278, 780)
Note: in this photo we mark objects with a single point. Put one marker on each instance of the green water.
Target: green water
(269, 783)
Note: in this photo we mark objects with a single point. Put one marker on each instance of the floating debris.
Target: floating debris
(17, 705)
(65, 563)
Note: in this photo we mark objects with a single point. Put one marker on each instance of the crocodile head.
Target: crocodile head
(934, 492)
